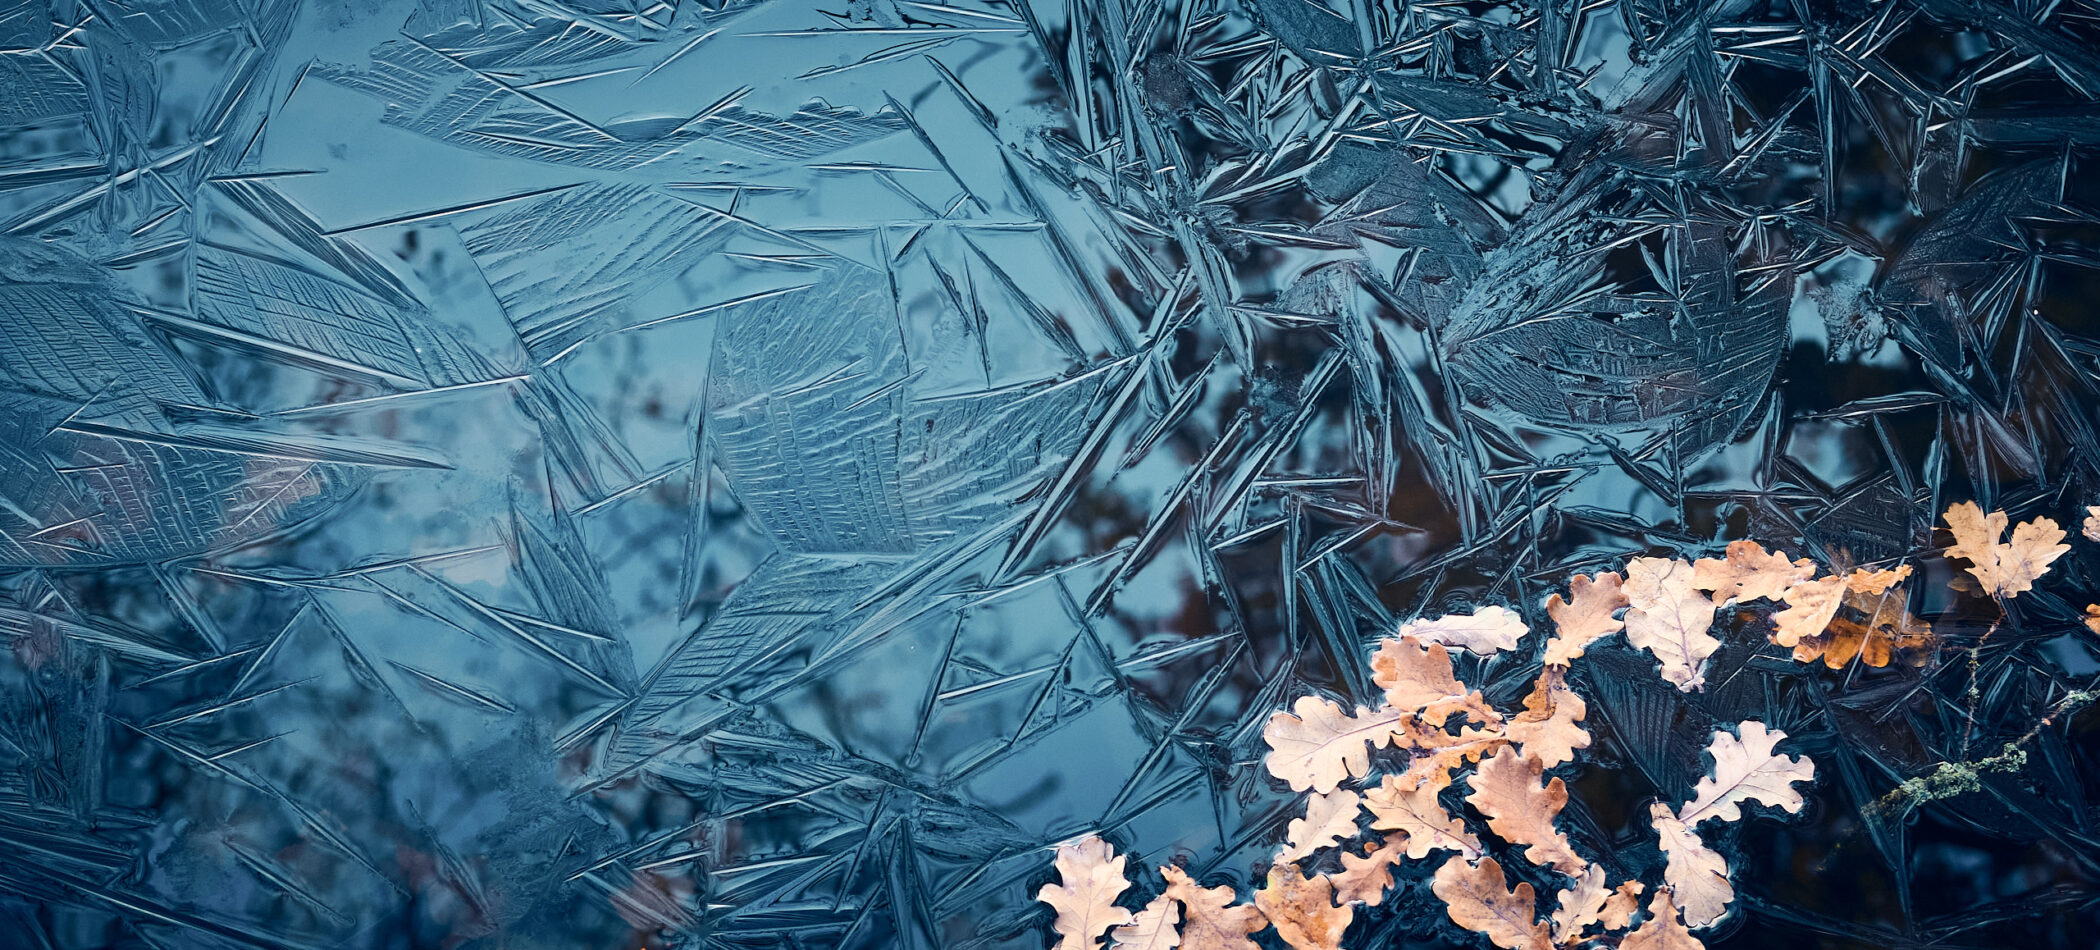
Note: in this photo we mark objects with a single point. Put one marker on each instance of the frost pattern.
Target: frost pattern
(762, 474)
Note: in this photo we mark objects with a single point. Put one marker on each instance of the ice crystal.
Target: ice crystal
(764, 474)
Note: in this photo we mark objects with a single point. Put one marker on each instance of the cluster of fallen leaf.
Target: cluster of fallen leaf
(1438, 732)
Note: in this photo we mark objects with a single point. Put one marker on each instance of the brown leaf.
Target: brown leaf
(1662, 930)
(1485, 632)
(1521, 810)
(1477, 899)
(1414, 674)
(1697, 875)
(1670, 617)
(1365, 879)
(1547, 728)
(1322, 746)
(1887, 631)
(1585, 619)
(2003, 569)
(1213, 921)
(1418, 813)
(2092, 617)
(1749, 573)
(1157, 927)
(1747, 769)
(1328, 817)
(1302, 910)
(1590, 903)
(1871, 583)
(1092, 876)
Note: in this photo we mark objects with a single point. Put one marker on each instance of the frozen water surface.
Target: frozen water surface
(758, 474)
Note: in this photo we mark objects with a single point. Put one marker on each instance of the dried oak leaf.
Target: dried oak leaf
(1440, 752)
(1873, 583)
(2092, 617)
(1417, 678)
(1662, 930)
(1587, 618)
(1157, 927)
(1547, 728)
(1591, 903)
(1749, 572)
(1329, 817)
(1747, 769)
(1486, 631)
(1321, 746)
(1521, 809)
(1414, 674)
(1697, 875)
(1887, 631)
(1417, 812)
(1810, 607)
(1212, 920)
(2092, 522)
(1669, 616)
(1303, 910)
(1975, 533)
(1365, 878)
(1092, 877)
(2009, 568)
(1477, 898)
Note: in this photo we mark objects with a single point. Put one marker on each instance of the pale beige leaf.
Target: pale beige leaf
(1417, 678)
(1548, 727)
(1521, 809)
(2003, 570)
(1414, 674)
(1486, 631)
(1211, 920)
(1157, 927)
(1477, 898)
(1588, 617)
(1321, 746)
(1092, 877)
(1749, 572)
(1417, 812)
(1975, 533)
(1302, 910)
(1592, 903)
(1329, 816)
(2035, 545)
(1662, 930)
(1697, 875)
(2092, 522)
(1365, 878)
(1669, 617)
(1747, 770)
(1810, 607)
